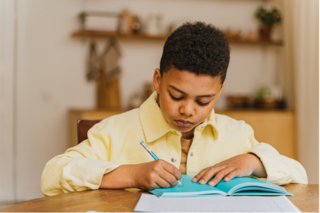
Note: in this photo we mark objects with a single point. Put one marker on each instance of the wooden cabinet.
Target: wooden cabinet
(274, 127)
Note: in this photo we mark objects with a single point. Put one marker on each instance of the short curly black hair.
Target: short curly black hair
(197, 47)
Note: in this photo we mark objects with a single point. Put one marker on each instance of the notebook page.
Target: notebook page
(151, 203)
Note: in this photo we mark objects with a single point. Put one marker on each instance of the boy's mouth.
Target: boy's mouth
(183, 123)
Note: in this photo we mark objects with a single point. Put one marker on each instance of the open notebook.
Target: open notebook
(237, 186)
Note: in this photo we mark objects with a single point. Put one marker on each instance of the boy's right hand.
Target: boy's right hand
(147, 176)
(156, 174)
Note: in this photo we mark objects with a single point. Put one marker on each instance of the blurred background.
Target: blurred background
(64, 60)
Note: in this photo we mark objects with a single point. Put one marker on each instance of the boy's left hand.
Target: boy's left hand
(238, 166)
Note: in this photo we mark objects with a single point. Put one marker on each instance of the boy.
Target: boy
(179, 124)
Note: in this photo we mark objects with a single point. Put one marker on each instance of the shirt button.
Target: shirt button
(191, 154)
(173, 160)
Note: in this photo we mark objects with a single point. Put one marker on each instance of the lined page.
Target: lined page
(151, 203)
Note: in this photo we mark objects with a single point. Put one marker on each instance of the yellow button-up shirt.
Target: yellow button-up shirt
(116, 141)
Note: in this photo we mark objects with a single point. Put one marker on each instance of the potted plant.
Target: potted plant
(267, 19)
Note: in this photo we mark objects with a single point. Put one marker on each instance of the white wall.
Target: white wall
(50, 80)
(7, 73)
(51, 69)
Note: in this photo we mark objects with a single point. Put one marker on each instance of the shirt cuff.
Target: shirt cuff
(85, 173)
(278, 172)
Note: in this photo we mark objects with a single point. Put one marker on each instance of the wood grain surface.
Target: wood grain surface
(305, 197)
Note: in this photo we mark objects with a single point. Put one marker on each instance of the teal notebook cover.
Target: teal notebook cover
(236, 186)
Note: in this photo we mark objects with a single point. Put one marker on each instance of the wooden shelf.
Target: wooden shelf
(271, 43)
(105, 34)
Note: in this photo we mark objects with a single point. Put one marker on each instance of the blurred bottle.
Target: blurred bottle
(154, 25)
(126, 20)
(136, 25)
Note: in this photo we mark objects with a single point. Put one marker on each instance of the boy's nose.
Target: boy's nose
(187, 110)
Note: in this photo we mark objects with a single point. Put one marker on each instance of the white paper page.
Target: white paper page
(151, 203)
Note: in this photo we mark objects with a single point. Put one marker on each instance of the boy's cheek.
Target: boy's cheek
(169, 109)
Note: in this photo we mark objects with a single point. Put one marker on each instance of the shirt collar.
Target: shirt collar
(212, 123)
(155, 125)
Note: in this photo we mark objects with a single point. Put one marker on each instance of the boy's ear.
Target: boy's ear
(156, 80)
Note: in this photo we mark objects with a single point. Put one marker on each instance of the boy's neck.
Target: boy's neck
(187, 135)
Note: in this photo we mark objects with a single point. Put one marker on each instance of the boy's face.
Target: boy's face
(186, 99)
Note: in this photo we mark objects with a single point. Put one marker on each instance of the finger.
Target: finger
(169, 178)
(171, 169)
(232, 175)
(152, 186)
(220, 175)
(163, 184)
(166, 180)
(167, 173)
(210, 173)
(200, 174)
(155, 181)
(162, 177)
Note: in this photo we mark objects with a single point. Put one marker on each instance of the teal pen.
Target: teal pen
(152, 154)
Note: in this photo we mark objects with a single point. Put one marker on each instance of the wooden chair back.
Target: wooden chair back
(83, 126)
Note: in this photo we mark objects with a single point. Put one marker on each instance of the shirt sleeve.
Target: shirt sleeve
(81, 167)
(280, 169)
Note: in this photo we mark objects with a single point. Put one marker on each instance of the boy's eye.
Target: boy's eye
(174, 98)
(199, 102)
(203, 104)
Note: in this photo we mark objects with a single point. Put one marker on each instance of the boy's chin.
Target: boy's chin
(183, 129)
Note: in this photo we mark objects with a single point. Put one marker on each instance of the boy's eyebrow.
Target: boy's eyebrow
(210, 95)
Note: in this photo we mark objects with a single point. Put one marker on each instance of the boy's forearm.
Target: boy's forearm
(120, 178)
(259, 169)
